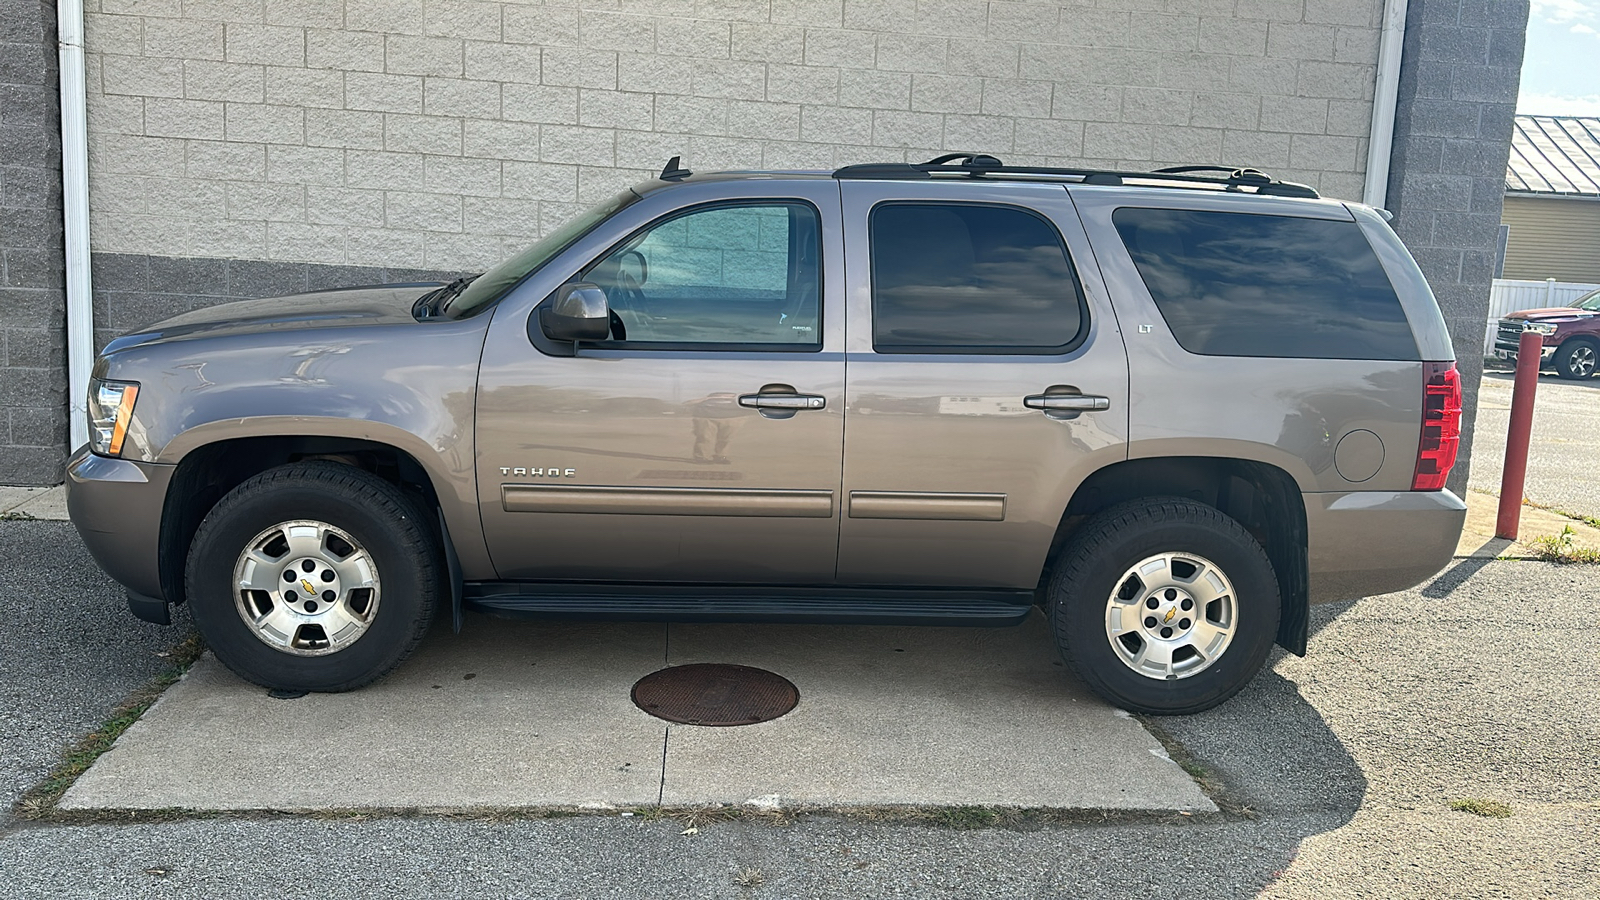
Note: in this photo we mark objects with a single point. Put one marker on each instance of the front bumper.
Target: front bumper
(116, 505)
(1511, 353)
(1363, 543)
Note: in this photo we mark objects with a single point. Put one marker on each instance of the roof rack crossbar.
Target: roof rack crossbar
(978, 165)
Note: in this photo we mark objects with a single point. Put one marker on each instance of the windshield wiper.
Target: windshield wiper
(433, 303)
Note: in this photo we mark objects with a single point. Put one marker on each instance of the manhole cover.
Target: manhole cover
(715, 694)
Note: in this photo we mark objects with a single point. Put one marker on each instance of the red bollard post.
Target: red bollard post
(1515, 471)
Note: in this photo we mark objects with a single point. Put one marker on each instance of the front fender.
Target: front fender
(410, 386)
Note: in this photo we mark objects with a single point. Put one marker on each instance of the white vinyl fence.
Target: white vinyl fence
(1509, 296)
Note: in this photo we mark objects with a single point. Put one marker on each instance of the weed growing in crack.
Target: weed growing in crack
(1478, 806)
(1560, 548)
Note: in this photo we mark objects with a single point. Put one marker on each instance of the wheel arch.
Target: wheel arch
(208, 470)
(1263, 498)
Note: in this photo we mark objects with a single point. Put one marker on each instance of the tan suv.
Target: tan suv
(1170, 408)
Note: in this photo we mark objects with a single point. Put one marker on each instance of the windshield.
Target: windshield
(488, 287)
(1589, 301)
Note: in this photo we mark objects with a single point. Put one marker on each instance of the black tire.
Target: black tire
(1095, 565)
(384, 522)
(1576, 359)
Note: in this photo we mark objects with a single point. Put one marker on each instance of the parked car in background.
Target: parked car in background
(945, 393)
(1571, 336)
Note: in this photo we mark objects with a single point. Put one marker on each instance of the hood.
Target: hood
(385, 304)
(1554, 312)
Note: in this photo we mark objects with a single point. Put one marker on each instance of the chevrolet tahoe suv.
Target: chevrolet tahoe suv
(1170, 408)
(1569, 336)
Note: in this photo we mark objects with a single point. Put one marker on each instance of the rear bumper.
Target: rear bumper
(1363, 543)
(116, 506)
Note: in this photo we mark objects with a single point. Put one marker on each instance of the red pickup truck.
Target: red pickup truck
(1571, 336)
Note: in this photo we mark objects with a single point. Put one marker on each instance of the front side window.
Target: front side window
(966, 278)
(1238, 284)
(723, 275)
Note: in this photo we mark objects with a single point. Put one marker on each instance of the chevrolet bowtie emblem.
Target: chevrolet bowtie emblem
(1170, 613)
(311, 590)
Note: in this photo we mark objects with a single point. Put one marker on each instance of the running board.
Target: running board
(747, 603)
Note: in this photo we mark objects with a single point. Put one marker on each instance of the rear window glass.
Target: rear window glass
(1235, 284)
(965, 278)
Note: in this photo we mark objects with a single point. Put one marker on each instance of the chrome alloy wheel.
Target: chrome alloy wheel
(306, 588)
(1171, 615)
(1582, 361)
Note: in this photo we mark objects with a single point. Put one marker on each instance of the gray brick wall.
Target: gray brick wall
(1458, 94)
(33, 430)
(131, 291)
(449, 133)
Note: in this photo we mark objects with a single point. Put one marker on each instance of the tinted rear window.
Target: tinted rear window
(1234, 284)
(965, 278)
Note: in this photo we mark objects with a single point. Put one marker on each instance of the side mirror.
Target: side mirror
(579, 312)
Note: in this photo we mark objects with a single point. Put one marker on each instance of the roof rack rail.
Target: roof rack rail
(983, 165)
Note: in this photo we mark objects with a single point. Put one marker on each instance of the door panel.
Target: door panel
(692, 465)
(959, 462)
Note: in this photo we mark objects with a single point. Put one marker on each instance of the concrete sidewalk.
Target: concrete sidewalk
(1478, 539)
(33, 502)
(510, 715)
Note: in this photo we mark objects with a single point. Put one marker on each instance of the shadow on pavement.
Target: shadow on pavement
(1456, 576)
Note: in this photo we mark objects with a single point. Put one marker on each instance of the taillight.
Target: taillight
(1441, 425)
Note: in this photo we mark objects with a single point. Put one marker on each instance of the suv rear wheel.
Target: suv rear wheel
(1576, 359)
(1164, 605)
(315, 576)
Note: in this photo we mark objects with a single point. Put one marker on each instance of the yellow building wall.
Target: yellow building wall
(1552, 238)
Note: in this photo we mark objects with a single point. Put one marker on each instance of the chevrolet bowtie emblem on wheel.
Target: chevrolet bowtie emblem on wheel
(1170, 613)
(307, 586)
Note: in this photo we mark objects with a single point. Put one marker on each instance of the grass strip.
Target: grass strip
(688, 821)
(40, 800)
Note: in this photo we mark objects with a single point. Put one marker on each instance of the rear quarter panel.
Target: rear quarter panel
(1290, 413)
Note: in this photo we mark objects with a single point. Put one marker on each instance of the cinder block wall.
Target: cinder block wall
(444, 134)
(33, 432)
(1457, 105)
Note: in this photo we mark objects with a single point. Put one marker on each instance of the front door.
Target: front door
(987, 379)
(702, 442)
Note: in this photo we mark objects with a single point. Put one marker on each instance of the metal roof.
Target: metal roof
(1555, 155)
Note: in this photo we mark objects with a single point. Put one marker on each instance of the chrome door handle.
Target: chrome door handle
(783, 401)
(1067, 402)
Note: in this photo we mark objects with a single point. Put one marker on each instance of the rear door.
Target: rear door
(702, 443)
(986, 379)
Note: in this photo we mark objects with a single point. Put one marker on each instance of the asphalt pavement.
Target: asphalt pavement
(69, 651)
(1337, 771)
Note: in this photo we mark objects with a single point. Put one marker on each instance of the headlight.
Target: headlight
(110, 409)
(1539, 327)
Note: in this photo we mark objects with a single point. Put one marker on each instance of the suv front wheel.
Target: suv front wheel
(314, 576)
(1164, 605)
